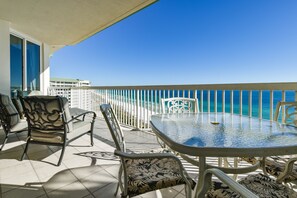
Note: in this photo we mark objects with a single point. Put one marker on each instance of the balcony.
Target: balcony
(85, 171)
(92, 171)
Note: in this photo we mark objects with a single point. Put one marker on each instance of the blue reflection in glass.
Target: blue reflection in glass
(33, 67)
(194, 141)
(16, 64)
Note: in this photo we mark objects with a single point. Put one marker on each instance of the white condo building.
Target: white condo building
(76, 97)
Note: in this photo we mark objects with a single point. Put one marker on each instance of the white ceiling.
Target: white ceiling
(66, 22)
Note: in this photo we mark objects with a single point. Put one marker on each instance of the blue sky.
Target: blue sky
(190, 42)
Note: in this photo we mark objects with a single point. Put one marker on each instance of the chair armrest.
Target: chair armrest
(244, 192)
(144, 155)
(149, 156)
(82, 114)
(288, 169)
(13, 114)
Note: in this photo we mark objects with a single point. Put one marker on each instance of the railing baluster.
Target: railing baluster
(152, 103)
(148, 109)
(250, 106)
(240, 102)
(223, 101)
(208, 101)
(201, 100)
(215, 100)
(271, 105)
(283, 109)
(260, 107)
(232, 101)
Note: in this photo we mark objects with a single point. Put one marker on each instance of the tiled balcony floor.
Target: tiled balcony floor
(85, 171)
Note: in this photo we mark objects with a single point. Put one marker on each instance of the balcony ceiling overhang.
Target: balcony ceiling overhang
(66, 22)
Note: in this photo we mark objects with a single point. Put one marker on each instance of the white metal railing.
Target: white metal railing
(134, 105)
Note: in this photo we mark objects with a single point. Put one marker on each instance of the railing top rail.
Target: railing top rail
(233, 86)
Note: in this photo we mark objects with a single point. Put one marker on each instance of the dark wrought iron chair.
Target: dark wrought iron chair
(50, 122)
(10, 118)
(141, 173)
(251, 186)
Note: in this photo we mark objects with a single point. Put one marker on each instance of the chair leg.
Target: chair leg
(188, 191)
(26, 149)
(62, 154)
(92, 139)
(119, 178)
(4, 142)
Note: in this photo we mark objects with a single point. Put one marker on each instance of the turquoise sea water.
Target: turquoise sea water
(277, 96)
(155, 98)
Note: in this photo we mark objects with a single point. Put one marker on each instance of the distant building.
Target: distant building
(77, 97)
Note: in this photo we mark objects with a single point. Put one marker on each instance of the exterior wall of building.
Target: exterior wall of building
(5, 31)
(76, 97)
(4, 58)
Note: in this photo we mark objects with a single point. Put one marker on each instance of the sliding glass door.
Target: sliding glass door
(16, 64)
(33, 67)
(24, 72)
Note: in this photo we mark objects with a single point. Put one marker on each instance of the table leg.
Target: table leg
(202, 168)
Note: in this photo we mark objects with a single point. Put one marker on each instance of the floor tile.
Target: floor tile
(83, 172)
(98, 180)
(59, 180)
(24, 192)
(73, 190)
(107, 191)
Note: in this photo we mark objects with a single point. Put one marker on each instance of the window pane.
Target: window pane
(33, 67)
(16, 64)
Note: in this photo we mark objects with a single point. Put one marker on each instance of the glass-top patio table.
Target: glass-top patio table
(223, 135)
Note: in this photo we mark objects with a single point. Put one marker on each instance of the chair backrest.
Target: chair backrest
(114, 126)
(47, 113)
(289, 110)
(179, 105)
(9, 115)
(17, 103)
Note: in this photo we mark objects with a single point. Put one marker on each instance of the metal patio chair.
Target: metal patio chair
(141, 173)
(281, 167)
(50, 122)
(251, 186)
(179, 105)
(10, 118)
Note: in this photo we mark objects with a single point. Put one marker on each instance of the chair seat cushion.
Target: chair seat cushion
(47, 137)
(79, 128)
(261, 185)
(22, 125)
(146, 175)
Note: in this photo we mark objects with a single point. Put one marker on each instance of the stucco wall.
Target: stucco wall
(4, 58)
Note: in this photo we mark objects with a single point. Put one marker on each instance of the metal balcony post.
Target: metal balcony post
(137, 110)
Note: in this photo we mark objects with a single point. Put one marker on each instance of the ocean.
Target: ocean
(277, 96)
